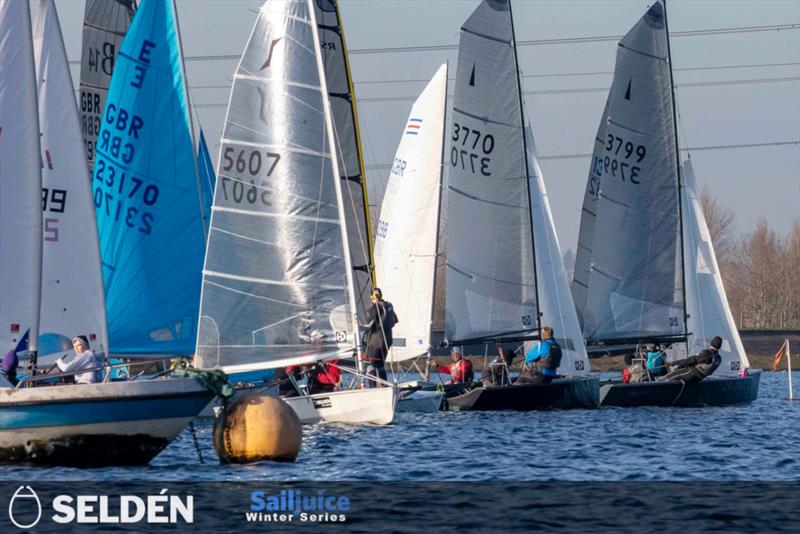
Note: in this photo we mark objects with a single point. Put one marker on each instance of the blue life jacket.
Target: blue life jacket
(550, 352)
(655, 362)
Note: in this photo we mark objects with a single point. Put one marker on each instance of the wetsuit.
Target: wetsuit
(460, 371)
(696, 368)
(542, 362)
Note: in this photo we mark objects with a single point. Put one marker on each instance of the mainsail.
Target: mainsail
(406, 238)
(348, 147)
(555, 299)
(20, 180)
(277, 284)
(72, 284)
(147, 193)
(490, 280)
(633, 277)
(706, 302)
(105, 23)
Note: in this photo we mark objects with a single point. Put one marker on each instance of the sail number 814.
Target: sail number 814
(473, 151)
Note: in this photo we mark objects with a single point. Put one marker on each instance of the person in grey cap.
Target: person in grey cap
(84, 359)
(460, 370)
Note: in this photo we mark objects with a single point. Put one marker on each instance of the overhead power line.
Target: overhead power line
(380, 166)
(535, 42)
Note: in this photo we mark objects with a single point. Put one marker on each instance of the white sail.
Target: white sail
(72, 285)
(20, 179)
(634, 284)
(490, 279)
(706, 301)
(406, 236)
(555, 299)
(277, 284)
(105, 23)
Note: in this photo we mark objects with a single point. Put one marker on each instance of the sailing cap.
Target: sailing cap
(455, 350)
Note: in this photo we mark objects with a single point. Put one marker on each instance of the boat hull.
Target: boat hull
(563, 393)
(353, 406)
(93, 425)
(721, 391)
(421, 402)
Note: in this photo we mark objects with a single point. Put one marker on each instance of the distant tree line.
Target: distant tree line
(760, 270)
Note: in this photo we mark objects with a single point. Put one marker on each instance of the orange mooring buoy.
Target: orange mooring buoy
(257, 427)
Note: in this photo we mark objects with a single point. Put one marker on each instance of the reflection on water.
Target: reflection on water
(735, 443)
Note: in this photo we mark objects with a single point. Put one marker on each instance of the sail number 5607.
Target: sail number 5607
(473, 151)
(251, 162)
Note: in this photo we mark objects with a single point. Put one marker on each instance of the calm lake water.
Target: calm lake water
(752, 442)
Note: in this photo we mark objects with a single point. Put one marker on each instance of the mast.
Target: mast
(527, 169)
(680, 186)
(439, 212)
(328, 118)
(191, 124)
(361, 170)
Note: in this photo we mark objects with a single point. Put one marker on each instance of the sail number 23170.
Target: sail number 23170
(470, 149)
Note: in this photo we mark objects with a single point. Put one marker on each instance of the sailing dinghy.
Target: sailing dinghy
(497, 268)
(278, 285)
(406, 241)
(111, 423)
(645, 269)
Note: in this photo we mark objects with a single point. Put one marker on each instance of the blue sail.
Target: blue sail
(147, 193)
(207, 177)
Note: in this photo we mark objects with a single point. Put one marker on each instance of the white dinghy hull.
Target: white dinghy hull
(421, 402)
(355, 406)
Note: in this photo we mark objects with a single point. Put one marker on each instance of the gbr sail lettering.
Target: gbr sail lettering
(121, 194)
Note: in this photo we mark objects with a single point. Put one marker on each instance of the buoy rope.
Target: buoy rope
(196, 443)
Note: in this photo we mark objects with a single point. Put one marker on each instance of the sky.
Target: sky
(565, 112)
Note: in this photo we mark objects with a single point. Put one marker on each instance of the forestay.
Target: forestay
(490, 279)
(555, 299)
(72, 284)
(406, 237)
(275, 283)
(147, 193)
(348, 146)
(20, 179)
(706, 301)
(634, 285)
(105, 23)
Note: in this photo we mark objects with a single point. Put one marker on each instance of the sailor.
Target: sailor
(8, 371)
(324, 377)
(497, 374)
(381, 318)
(543, 360)
(696, 368)
(460, 370)
(656, 364)
(634, 372)
(85, 359)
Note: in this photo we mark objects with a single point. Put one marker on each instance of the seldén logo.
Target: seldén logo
(25, 509)
(22, 503)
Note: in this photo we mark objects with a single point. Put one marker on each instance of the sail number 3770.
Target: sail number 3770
(470, 149)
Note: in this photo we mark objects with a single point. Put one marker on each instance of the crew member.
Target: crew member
(543, 360)
(696, 368)
(656, 364)
(85, 359)
(460, 370)
(324, 377)
(381, 318)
